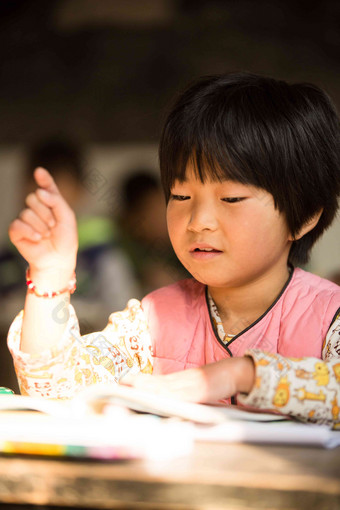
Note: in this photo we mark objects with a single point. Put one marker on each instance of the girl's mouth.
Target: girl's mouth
(205, 249)
(204, 253)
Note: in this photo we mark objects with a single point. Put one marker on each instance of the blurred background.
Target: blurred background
(91, 80)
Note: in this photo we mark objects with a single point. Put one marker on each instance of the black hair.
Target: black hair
(283, 138)
(58, 155)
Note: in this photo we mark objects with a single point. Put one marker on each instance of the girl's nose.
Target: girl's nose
(202, 218)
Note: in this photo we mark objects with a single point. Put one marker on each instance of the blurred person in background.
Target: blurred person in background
(144, 233)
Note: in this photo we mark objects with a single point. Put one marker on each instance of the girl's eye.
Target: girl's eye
(233, 200)
(180, 198)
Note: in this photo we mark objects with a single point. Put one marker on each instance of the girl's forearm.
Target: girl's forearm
(45, 318)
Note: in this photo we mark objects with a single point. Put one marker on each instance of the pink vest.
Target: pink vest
(295, 325)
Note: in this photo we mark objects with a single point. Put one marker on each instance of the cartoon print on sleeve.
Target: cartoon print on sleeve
(303, 374)
(306, 388)
(321, 373)
(335, 407)
(281, 396)
(303, 394)
(84, 360)
(336, 369)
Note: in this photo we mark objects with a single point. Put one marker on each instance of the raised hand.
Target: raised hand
(45, 233)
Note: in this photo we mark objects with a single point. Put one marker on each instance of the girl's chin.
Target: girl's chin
(210, 282)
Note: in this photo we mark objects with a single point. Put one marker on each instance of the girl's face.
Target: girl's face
(225, 233)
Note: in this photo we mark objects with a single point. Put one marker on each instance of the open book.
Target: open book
(102, 398)
(105, 414)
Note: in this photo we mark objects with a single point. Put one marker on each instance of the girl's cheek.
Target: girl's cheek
(170, 224)
(173, 217)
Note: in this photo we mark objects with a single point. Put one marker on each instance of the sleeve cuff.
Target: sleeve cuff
(23, 360)
(267, 372)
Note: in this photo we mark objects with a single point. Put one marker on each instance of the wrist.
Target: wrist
(245, 374)
(50, 280)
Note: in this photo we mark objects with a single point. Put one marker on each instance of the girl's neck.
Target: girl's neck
(241, 306)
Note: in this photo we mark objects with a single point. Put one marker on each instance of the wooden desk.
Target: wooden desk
(215, 477)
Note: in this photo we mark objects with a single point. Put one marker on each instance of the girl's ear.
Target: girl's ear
(307, 227)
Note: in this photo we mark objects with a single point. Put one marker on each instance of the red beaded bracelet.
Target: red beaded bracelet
(50, 294)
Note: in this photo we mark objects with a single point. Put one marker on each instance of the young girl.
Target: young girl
(251, 173)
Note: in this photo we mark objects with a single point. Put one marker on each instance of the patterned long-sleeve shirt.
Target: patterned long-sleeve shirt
(306, 388)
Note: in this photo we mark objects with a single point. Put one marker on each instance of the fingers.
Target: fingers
(37, 218)
(130, 379)
(33, 223)
(30, 218)
(45, 210)
(155, 384)
(139, 381)
(40, 209)
(20, 230)
(48, 194)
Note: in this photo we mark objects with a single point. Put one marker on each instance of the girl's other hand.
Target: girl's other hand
(208, 383)
(45, 232)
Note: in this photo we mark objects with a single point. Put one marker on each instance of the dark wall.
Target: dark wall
(111, 82)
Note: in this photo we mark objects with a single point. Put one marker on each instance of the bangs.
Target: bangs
(206, 146)
(205, 166)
